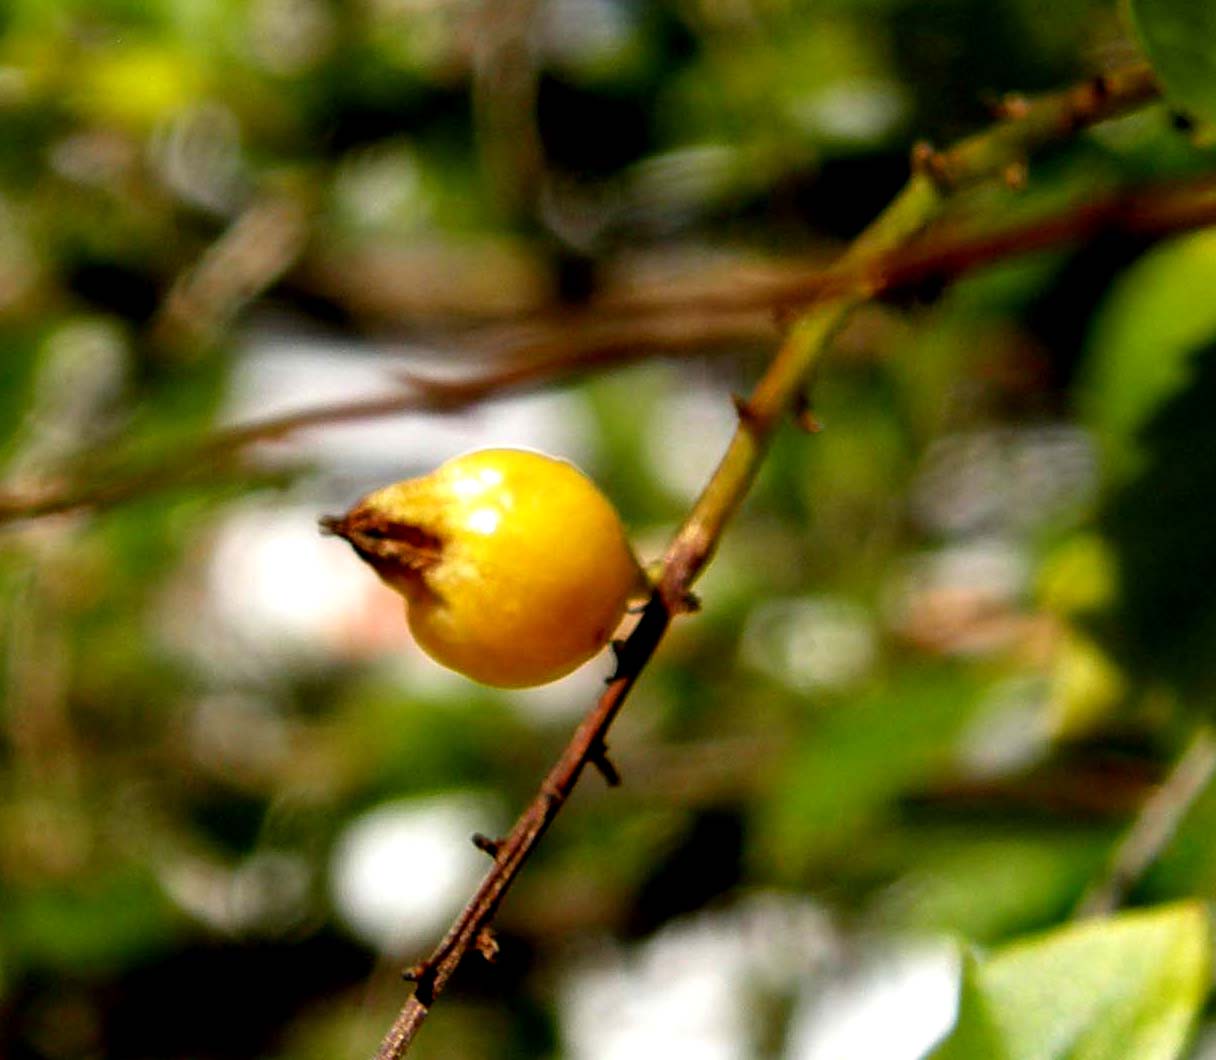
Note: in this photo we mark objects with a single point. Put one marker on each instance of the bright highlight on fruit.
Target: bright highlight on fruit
(514, 566)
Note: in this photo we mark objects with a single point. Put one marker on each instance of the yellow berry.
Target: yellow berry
(513, 565)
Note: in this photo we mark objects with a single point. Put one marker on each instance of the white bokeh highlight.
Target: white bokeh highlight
(285, 373)
(810, 643)
(401, 871)
(685, 992)
(895, 1005)
(694, 989)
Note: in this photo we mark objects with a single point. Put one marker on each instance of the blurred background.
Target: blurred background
(948, 647)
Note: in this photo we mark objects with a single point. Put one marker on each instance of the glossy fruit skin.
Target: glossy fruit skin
(514, 566)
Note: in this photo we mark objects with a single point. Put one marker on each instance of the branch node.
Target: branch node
(928, 161)
(598, 757)
(487, 944)
(487, 845)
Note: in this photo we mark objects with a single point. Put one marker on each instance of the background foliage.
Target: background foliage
(949, 647)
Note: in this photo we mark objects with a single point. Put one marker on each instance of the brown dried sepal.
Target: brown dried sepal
(395, 550)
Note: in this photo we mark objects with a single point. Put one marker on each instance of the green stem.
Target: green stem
(1034, 125)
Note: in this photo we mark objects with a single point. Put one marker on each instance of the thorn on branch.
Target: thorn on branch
(744, 410)
(1182, 122)
(598, 757)
(1011, 107)
(932, 163)
(415, 972)
(804, 417)
(1016, 175)
(690, 603)
(487, 944)
(487, 845)
(1093, 94)
(621, 661)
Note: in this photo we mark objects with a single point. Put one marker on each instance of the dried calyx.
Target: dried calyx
(393, 549)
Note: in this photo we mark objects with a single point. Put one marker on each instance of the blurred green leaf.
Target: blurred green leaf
(1028, 880)
(1143, 341)
(19, 348)
(1162, 524)
(799, 81)
(1105, 990)
(96, 922)
(855, 760)
(977, 1033)
(1180, 38)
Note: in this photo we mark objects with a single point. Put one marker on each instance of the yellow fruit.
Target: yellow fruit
(513, 565)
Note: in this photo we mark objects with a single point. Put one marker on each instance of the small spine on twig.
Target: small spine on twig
(1016, 175)
(1182, 122)
(804, 415)
(1093, 94)
(487, 845)
(598, 757)
(744, 410)
(1011, 107)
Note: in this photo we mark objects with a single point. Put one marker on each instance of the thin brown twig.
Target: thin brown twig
(260, 245)
(1154, 826)
(567, 350)
(700, 319)
(1043, 120)
(417, 395)
(868, 275)
(510, 852)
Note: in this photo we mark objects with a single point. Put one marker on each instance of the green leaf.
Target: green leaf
(19, 350)
(1180, 39)
(1161, 524)
(855, 762)
(1028, 879)
(88, 924)
(1143, 340)
(976, 1034)
(1104, 990)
